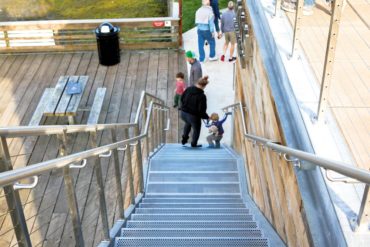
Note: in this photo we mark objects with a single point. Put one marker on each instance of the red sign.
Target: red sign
(158, 23)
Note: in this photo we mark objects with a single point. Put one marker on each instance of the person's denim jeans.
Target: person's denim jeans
(202, 37)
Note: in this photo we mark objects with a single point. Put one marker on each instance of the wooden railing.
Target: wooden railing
(79, 35)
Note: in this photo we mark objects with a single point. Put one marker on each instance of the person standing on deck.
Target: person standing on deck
(216, 12)
(193, 109)
(204, 19)
(227, 27)
(196, 68)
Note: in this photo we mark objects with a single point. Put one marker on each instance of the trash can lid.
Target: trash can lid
(106, 27)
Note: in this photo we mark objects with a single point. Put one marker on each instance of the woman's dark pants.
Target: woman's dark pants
(194, 122)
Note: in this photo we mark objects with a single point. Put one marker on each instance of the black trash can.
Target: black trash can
(107, 38)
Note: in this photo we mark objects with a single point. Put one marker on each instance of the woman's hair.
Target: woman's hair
(203, 81)
(180, 75)
(214, 117)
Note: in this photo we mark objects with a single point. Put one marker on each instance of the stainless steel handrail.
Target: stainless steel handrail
(9, 177)
(337, 166)
(22, 131)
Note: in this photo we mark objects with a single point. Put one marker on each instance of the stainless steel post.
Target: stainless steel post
(152, 134)
(117, 175)
(364, 212)
(13, 200)
(297, 25)
(139, 161)
(129, 170)
(145, 114)
(100, 182)
(329, 57)
(71, 194)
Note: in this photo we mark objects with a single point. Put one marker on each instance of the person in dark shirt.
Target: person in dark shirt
(193, 109)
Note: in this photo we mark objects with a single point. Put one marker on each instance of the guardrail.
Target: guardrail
(152, 130)
(79, 35)
(295, 156)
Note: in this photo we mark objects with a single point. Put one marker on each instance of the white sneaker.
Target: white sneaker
(215, 58)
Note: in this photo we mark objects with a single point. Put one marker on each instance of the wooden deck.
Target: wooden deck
(23, 79)
(350, 86)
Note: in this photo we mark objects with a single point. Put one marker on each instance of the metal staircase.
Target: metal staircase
(194, 198)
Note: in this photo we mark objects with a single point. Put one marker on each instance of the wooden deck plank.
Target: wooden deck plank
(59, 89)
(37, 115)
(65, 98)
(16, 73)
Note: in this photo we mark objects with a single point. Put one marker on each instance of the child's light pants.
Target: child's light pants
(213, 138)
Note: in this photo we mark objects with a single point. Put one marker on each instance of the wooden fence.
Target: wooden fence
(79, 35)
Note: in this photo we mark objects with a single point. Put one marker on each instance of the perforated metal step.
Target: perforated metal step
(190, 241)
(202, 196)
(194, 188)
(193, 165)
(192, 217)
(194, 177)
(191, 224)
(191, 205)
(191, 210)
(191, 200)
(221, 232)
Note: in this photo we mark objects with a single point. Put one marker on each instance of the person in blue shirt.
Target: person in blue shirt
(216, 130)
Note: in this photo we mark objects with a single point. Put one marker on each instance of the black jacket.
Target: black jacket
(194, 101)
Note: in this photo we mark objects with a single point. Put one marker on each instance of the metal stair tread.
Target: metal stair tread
(192, 241)
(173, 232)
(191, 224)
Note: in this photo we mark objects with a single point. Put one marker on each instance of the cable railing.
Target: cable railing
(151, 130)
(295, 157)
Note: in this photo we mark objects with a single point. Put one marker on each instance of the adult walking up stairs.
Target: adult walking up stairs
(194, 197)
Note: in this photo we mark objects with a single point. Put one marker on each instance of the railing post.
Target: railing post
(71, 194)
(329, 57)
(364, 212)
(100, 182)
(158, 125)
(13, 200)
(145, 114)
(139, 160)
(129, 169)
(297, 25)
(117, 175)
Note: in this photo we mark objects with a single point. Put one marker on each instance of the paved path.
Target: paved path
(220, 91)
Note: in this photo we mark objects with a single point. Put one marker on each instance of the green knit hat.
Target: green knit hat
(190, 54)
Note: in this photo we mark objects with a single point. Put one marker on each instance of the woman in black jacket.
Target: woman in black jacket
(193, 109)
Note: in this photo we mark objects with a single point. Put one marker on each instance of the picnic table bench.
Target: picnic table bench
(57, 102)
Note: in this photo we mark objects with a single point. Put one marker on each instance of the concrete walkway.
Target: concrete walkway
(219, 91)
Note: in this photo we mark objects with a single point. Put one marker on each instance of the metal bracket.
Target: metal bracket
(134, 144)
(168, 125)
(73, 166)
(296, 162)
(122, 149)
(106, 155)
(19, 186)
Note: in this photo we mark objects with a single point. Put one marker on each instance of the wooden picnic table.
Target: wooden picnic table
(56, 102)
